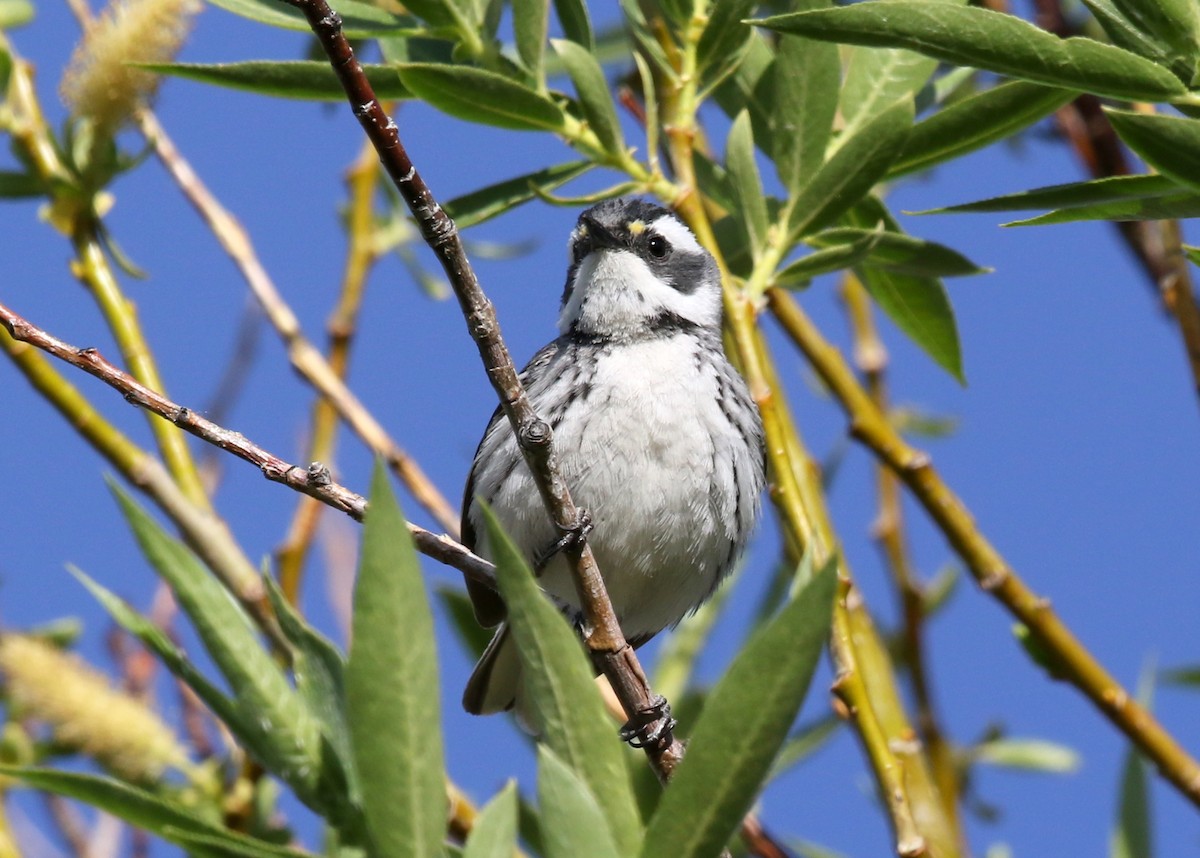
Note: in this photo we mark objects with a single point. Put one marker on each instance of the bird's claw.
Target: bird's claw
(573, 537)
(649, 725)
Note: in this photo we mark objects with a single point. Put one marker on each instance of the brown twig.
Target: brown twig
(989, 568)
(602, 632)
(313, 481)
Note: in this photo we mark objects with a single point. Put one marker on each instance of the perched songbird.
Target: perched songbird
(657, 436)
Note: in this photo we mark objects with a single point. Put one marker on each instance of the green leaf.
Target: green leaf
(302, 79)
(594, 97)
(531, 18)
(743, 174)
(560, 687)
(970, 36)
(15, 13)
(677, 657)
(572, 822)
(576, 25)
(899, 252)
(392, 695)
(723, 41)
(17, 185)
(494, 834)
(917, 305)
(852, 171)
(259, 687)
(976, 121)
(143, 810)
(833, 257)
(1035, 755)
(744, 722)
(486, 203)
(1133, 836)
(1172, 22)
(1072, 195)
(1182, 676)
(804, 85)
(803, 743)
(481, 96)
(1124, 33)
(359, 20)
(1174, 207)
(1169, 144)
(650, 102)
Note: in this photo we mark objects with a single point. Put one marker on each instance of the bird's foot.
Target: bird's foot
(649, 725)
(573, 537)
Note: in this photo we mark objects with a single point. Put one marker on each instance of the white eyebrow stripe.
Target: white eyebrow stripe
(680, 237)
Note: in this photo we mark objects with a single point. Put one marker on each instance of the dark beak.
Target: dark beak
(599, 236)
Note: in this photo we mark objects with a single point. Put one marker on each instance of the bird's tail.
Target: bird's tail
(496, 680)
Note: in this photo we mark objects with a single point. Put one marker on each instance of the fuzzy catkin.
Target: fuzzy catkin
(100, 84)
(85, 712)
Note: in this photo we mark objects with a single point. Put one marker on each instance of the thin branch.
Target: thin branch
(302, 354)
(987, 565)
(872, 359)
(602, 633)
(314, 480)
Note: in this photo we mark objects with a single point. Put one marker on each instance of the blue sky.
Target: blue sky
(1076, 449)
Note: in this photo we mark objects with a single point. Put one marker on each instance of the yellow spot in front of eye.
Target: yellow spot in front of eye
(637, 227)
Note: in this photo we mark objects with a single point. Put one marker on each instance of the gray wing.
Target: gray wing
(489, 608)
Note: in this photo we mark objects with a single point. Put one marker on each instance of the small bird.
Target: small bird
(656, 434)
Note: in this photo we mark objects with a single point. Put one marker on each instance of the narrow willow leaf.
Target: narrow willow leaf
(976, 121)
(852, 171)
(319, 670)
(15, 13)
(897, 251)
(649, 46)
(1171, 22)
(1123, 32)
(572, 822)
(743, 723)
(917, 305)
(142, 809)
(359, 20)
(494, 834)
(303, 79)
(1133, 835)
(833, 257)
(970, 36)
(1169, 144)
(17, 185)
(440, 13)
(1192, 253)
(392, 693)
(747, 186)
(650, 102)
(677, 658)
(560, 687)
(531, 19)
(216, 846)
(723, 41)
(594, 97)
(804, 88)
(576, 24)
(1035, 755)
(259, 687)
(481, 96)
(1182, 676)
(456, 605)
(486, 203)
(1073, 194)
(1174, 207)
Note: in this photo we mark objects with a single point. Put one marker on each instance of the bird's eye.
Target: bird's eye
(658, 246)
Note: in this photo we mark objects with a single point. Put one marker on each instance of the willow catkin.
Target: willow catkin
(85, 712)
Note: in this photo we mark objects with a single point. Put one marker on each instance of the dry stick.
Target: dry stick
(302, 354)
(987, 565)
(602, 633)
(314, 481)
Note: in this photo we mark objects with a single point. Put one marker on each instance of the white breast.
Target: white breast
(670, 484)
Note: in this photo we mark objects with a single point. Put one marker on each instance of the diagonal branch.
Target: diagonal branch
(602, 632)
(988, 567)
(313, 480)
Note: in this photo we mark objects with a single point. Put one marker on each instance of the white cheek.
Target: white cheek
(616, 293)
(679, 236)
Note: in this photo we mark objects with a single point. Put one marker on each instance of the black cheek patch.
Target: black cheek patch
(688, 270)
